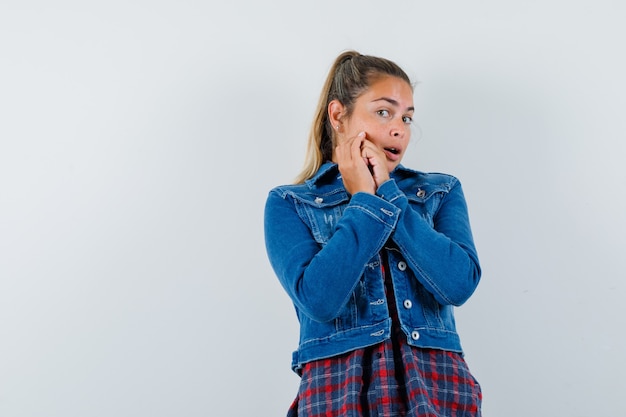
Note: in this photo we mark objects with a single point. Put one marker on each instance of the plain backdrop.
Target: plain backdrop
(139, 139)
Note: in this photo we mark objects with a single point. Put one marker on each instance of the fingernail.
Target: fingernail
(362, 134)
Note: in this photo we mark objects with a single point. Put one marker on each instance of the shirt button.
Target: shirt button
(415, 335)
(421, 193)
(401, 265)
(408, 304)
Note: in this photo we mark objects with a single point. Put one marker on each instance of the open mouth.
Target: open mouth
(393, 150)
(393, 154)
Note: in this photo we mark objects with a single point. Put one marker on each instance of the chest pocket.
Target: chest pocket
(321, 213)
(426, 199)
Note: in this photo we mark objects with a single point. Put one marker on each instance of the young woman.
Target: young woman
(374, 257)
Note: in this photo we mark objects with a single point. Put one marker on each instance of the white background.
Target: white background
(139, 139)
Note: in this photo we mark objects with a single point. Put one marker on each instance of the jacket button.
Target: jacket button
(401, 265)
(319, 200)
(415, 335)
(408, 304)
(421, 193)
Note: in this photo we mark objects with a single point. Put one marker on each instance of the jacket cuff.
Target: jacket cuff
(390, 192)
(374, 206)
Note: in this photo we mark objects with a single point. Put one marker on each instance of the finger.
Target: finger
(357, 144)
(370, 150)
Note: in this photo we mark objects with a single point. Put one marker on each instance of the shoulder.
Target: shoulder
(325, 186)
(438, 178)
(313, 196)
(322, 190)
(286, 189)
(427, 181)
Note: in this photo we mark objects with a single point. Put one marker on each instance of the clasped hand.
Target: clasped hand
(361, 163)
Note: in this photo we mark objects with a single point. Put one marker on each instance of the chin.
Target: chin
(393, 166)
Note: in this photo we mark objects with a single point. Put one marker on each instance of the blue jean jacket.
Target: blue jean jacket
(327, 248)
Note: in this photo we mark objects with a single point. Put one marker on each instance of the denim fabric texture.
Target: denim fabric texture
(326, 248)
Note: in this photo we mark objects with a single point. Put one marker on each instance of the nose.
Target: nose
(397, 128)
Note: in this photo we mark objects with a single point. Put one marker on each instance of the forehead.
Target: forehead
(392, 88)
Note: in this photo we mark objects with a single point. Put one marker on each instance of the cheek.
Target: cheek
(360, 122)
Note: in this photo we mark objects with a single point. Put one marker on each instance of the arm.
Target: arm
(320, 280)
(443, 257)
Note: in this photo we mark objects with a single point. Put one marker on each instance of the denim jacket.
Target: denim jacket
(327, 248)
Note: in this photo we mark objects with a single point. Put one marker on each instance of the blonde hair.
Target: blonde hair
(350, 76)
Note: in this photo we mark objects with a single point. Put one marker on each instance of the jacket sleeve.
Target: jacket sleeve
(320, 278)
(442, 256)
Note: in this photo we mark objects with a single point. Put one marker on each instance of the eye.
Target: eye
(407, 119)
(383, 113)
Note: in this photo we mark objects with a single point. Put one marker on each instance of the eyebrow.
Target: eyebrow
(393, 102)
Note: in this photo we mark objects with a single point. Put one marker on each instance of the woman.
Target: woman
(374, 257)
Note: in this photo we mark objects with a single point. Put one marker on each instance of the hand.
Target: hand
(376, 161)
(361, 163)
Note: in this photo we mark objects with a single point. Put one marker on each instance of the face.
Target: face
(385, 113)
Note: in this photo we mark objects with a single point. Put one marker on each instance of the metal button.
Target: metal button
(421, 193)
(319, 200)
(408, 304)
(415, 335)
(401, 265)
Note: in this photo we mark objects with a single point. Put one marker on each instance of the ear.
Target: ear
(336, 111)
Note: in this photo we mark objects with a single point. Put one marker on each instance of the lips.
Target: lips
(393, 154)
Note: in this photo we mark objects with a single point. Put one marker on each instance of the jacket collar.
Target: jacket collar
(330, 169)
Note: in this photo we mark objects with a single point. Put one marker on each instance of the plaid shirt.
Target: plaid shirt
(388, 379)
